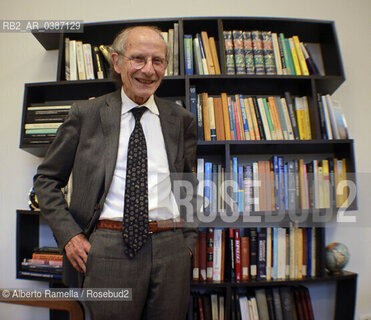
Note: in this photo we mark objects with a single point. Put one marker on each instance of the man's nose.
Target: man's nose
(148, 67)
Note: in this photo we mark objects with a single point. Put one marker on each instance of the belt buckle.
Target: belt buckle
(150, 221)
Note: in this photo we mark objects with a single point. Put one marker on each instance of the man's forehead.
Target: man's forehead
(141, 36)
(143, 31)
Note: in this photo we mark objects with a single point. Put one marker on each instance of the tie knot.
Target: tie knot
(138, 112)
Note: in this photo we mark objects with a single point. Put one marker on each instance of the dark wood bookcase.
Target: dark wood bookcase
(221, 152)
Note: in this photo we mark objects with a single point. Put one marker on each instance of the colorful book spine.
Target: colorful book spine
(269, 61)
(229, 56)
(248, 51)
(238, 50)
(258, 50)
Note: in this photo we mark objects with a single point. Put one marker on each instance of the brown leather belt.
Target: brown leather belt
(153, 226)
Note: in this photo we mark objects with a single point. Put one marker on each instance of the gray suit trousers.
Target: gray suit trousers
(159, 276)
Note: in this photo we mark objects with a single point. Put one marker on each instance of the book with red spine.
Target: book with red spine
(237, 255)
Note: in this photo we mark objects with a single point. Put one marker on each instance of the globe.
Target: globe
(337, 257)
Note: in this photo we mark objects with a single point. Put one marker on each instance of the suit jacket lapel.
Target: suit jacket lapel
(170, 129)
(110, 115)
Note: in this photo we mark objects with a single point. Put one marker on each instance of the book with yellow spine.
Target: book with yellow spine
(295, 58)
(300, 54)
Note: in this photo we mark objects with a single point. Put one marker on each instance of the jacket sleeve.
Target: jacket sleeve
(53, 174)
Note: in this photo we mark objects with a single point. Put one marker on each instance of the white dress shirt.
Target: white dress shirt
(161, 201)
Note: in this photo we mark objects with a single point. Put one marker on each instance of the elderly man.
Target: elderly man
(123, 228)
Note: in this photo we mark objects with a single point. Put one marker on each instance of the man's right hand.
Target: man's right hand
(77, 250)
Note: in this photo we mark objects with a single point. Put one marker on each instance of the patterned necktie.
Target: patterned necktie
(135, 222)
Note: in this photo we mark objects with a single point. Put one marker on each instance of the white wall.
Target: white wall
(23, 59)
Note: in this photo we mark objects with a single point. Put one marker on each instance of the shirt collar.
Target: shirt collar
(128, 104)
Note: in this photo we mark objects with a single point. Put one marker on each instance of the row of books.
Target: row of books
(200, 54)
(224, 117)
(43, 121)
(239, 117)
(207, 306)
(283, 302)
(273, 185)
(84, 61)
(270, 253)
(277, 303)
(46, 262)
(172, 39)
(266, 52)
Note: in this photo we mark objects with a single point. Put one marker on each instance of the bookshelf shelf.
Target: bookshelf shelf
(320, 34)
(344, 275)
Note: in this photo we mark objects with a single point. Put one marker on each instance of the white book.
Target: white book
(73, 60)
(217, 255)
(42, 107)
(88, 59)
(80, 61)
(244, 308)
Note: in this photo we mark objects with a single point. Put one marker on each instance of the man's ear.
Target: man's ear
(115, 61)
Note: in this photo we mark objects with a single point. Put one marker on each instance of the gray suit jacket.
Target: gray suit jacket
(87, 145)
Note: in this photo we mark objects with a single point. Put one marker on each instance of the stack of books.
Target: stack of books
(266, 52)
(43, 121)
(46, 262)
(84, 61)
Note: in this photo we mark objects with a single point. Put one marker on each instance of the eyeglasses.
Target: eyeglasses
(139, 62)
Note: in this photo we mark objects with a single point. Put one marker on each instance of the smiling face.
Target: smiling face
(140, 84)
